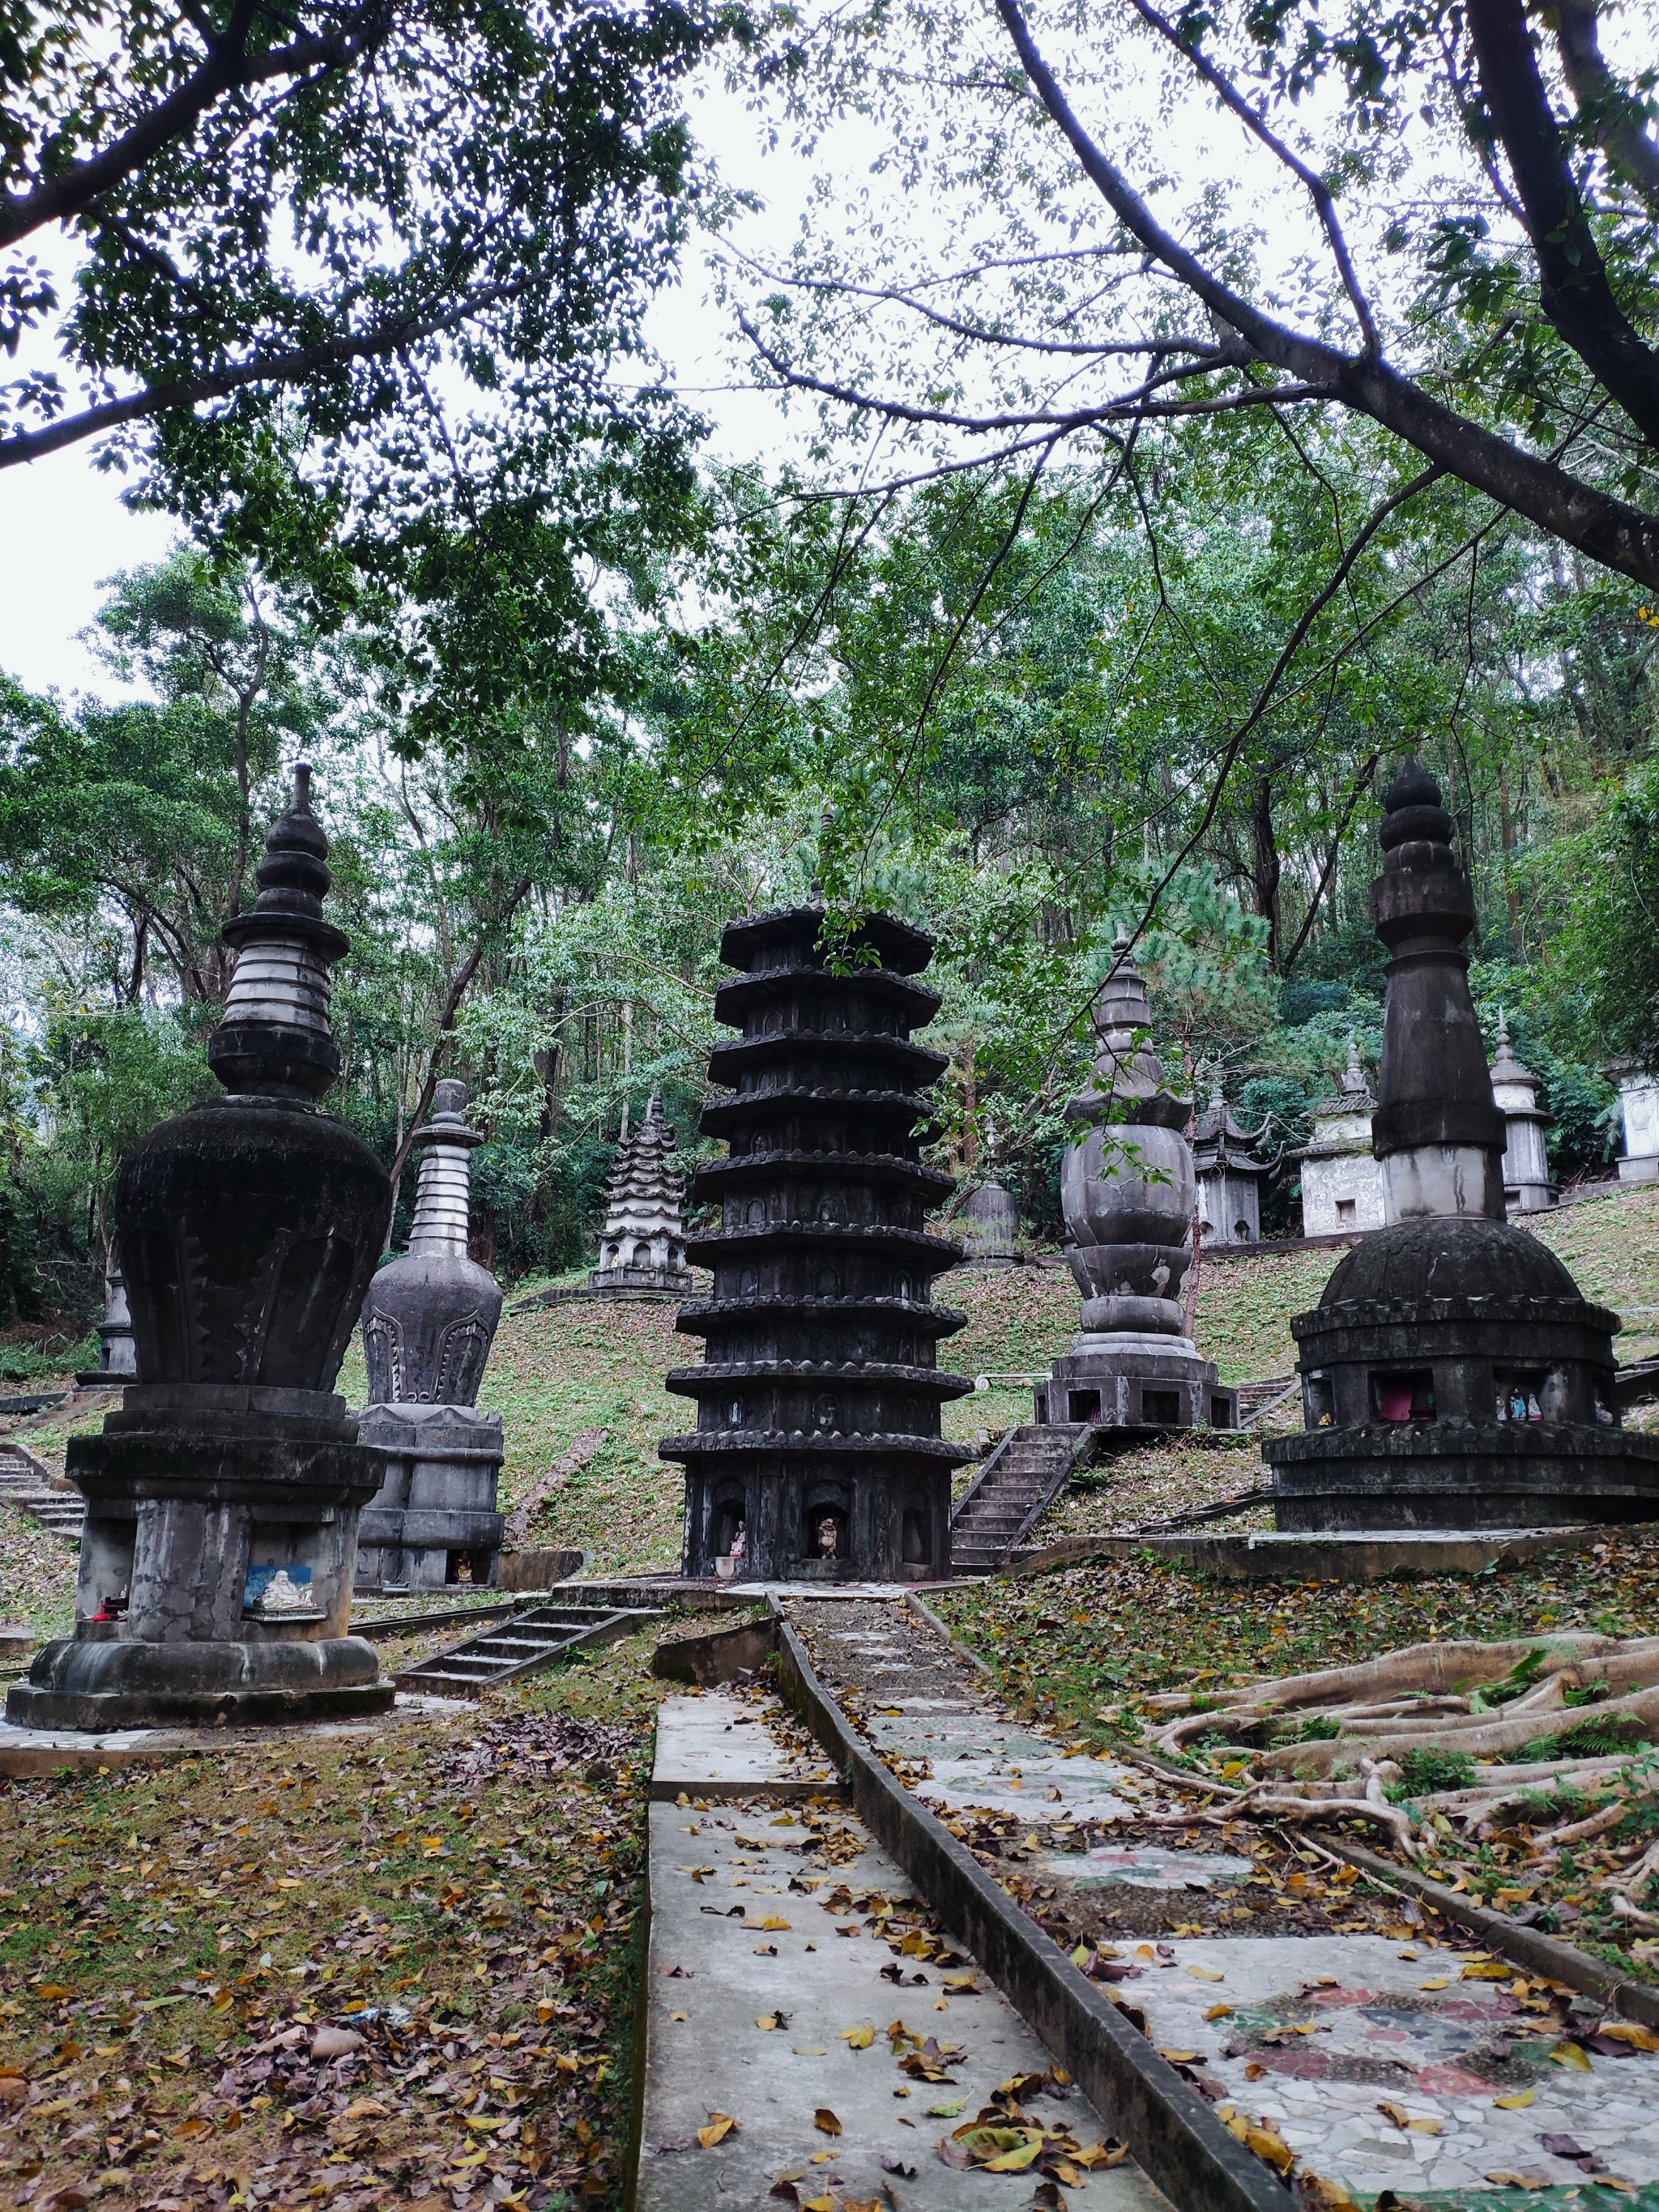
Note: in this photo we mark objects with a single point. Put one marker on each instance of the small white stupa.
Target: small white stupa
(643, 1245)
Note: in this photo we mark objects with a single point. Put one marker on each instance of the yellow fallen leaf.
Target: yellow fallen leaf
(1109, 2153)
(679, 2015)
(721, 2125)
(1080, 1956)
(1517, 2102)
(482, 2127)
(1488, 1970)
(1425, 2127)
(1626, 2030)
(1573, 2054)
(810, 2050)
(1178, 2058)
(857, 2039)
(1219, 2012)
(1016, 2161)
(766, 2022)
(1271, 2147)
(1205, 1974)
(1501, 2180)
(1435, 1982)
(825, 2121)
(770, 1924)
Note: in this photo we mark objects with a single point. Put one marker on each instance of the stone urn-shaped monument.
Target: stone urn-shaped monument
(1452, 1376)
(988, 1227)
(429, 1321)
(1126, 1188)
(818, 1450)
(223, 1497)
(642, 1246)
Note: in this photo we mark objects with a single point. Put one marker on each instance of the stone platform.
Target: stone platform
(29, 1753)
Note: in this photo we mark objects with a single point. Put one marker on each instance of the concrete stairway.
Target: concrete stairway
(1017, 1483)
(25, 1484)
(537, 1637)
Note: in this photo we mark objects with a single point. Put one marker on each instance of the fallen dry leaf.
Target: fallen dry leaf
(825, 2121)
(720, 2125)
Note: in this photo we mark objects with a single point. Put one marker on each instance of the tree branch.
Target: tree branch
(1573, 285)
(1608, 113)
(1611, 531)
(291, 367)
(227, 67)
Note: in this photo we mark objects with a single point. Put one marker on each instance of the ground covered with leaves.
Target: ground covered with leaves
(1085, 1648)
(392, 1964)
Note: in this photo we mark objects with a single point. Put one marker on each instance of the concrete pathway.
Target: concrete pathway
(1410, 2073)
(812, 2037)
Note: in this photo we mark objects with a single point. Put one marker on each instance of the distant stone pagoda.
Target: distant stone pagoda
(223, 1497)
(1527, 1188)
(643, 1245)
(818, 1450)
(429, 1321)
(1228, 1175)
(1452, 1375)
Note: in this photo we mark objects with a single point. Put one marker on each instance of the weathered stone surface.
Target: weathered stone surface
(1452, 1378)
(987, 1225)
(248, 1229)
(643, 1244)
(1128, 1194)
(818, 1403)
(429, 1321)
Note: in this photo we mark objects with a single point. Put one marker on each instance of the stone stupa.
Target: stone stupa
(429, 1321)
(1127, 1191)
(1452, 1376)
(643, 1244)
(818, 1450)
(223, 1497)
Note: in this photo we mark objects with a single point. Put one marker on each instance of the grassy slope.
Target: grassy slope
(560, 1368)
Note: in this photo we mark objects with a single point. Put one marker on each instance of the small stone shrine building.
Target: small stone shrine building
(1452, 1376)
(429, 1321)
(1228, 1176)
(643, 1244)
(223, 1497)
(1638, 1105)
(817, 1450)
(1126, 1188)
(1527, 1185)
(1341, 1180)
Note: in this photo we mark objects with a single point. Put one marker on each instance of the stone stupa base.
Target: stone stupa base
(1463, 1474)
(1136, 1379)
(98, 1679)
(433, 1523)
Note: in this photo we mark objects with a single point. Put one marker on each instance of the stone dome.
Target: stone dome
(1442, 1256)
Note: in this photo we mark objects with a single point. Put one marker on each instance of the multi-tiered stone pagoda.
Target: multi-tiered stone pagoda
(429, 1321)
(642, 1246)
(1452, 1376)
(1126, 1188)
(223, 1497)
(817, 1448)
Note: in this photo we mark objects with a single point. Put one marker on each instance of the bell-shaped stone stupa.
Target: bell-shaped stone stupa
(1126, 1188)
(429, 1321)
(643, 1245)
(1452, 1376)
(817, 1448)
(223, 1497)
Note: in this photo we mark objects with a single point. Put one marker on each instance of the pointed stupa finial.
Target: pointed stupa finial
(1436, 1129)
(274, 1036)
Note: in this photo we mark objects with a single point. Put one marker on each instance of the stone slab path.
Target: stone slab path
(1415, 2074)
(780, 1997)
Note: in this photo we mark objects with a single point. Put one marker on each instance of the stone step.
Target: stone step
(533, 1640)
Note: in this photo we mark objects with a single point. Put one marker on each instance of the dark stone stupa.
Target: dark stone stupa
(223, 1497)
(429, 1321)
(817, 1448)
(1452, 1376)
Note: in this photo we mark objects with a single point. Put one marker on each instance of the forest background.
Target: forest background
(1031, 654)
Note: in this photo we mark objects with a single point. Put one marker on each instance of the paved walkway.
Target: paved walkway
(799, 1993)
(1408, 2072)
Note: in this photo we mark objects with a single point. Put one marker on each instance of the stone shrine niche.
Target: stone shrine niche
(1452, 1376)
(429, 1321)
(1128, 1189)
(818, 1452)
(223, 1496)
(1341, 1178)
